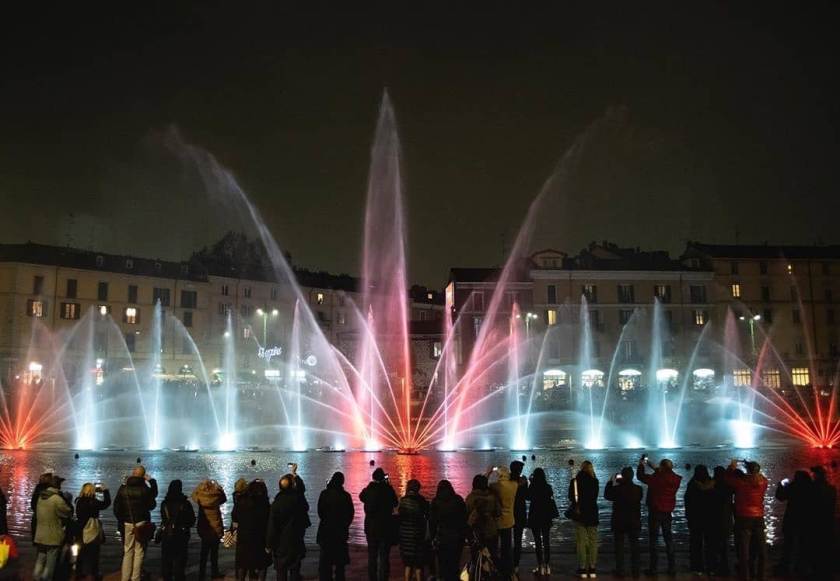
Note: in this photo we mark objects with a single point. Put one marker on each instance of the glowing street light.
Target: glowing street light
(752, 321)
(264, 315)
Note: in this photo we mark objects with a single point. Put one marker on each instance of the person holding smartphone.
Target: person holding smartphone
(626, 520)
(750, 536)
(662, 485)
(379, 500)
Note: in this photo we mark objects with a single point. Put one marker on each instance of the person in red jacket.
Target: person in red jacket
(750, 539)
(662, 485)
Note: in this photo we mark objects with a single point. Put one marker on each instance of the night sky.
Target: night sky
(715, 122)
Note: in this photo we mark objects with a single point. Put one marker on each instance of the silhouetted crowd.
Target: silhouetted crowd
(432, 535)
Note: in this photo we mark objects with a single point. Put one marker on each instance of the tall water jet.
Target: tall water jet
(658, 386)
(86, 427)
(384, 289)
(228, 440)
(155, 373)
(585, 403)
(296, 375)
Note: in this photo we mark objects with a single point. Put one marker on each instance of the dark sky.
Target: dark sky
(715, 121)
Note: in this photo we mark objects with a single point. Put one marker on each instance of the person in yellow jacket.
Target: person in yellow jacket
(505, 489)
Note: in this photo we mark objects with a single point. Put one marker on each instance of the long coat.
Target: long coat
(53, 511)
(414, 515)
(287, 523)
(541, 513)
(448, 520)
(380, 500)
(209, 501)
(335, 511)
(250, 513)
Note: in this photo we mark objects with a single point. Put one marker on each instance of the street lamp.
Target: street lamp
(752, 321)
(264, 315)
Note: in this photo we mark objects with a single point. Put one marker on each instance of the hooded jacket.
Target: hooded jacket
(209, 500)
(506, 490)
(662, 485)
(749, 492)
(53, 511)
(135, 500)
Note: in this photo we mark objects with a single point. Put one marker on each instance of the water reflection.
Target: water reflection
(19, 471)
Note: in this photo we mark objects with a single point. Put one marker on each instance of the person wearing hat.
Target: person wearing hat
(750, 537)
(53, 511)
(379, 500)
(335, 511)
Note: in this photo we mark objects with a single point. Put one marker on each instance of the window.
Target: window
(628, 350)
(161, 295)
(697, 294)
(551, 292)
(131, 315)
(762, 267)
(131, 342)
(100, 261)
(828, 296)
(246, 310)
(590, 291)
(72, 287)
(733, 267)
(477, 322)
(771, 378)
(70, 311)
(594, 319)
(478, 301)
(799, 348)
(185, 269)
(319, 298)
(829, 316)
(625, 293)
(275, 292)
(624, 316)
(246, 332)
(741, 377)
(701, 317)
(187, 318)
(132, 293)
(189, 299)
(797, 318)
(225, 290)
(767, 316)
(102, 291)
(37, 285)
(430, 296)
(735, 290)
(765, 294)
(437, 349)
(246, 292)
(662, 292)
(423, 314)
(551, 316)
(158, 266)
(341, 299)
(36, 309)
(225, 308)
(339, 318)
(800, 376)
(794, 294)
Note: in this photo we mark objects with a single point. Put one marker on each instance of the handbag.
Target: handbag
(229, 538)
(92, 532)
(573, 512)
(144, 531)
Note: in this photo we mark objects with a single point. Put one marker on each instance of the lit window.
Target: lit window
(771, 378)
(70, 311)
(319, 298)
(131, 315)
(553, 378)
(35, 309)
(801, 376)
(735, 290)
(104, 309)
(700, 317)
(742, 377)
(437, 349)
(592, 378)
(246, 332)
(551, 316)
(430, 296)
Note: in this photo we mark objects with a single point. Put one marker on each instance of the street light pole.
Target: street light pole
(752, 321)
